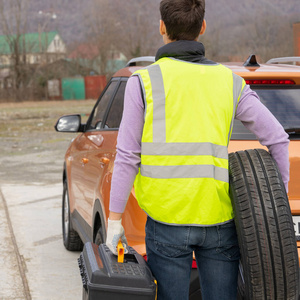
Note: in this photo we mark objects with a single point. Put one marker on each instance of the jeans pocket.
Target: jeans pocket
(228, 241)
(170, 250)
(231, 252)
(171, 241)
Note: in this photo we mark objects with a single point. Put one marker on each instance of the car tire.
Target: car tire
(269, 259)
(71, 239)
(99, 238)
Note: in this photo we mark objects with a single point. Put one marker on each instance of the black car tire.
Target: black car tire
(269, 258)
(71, 239)
(98, 238)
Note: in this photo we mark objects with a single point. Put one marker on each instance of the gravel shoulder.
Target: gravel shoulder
(30, 148)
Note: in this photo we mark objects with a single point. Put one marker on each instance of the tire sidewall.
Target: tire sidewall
(65, 230)
(99, 238)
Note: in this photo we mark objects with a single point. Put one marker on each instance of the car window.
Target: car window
(115, 113)
(284, 105)
(101, 108)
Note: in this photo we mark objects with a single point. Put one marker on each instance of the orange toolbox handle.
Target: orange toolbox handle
(120, 249)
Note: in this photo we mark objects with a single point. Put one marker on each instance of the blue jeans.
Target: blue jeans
(170, 254)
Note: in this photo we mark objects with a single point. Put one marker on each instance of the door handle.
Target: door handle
(84, 160)
(104, 160)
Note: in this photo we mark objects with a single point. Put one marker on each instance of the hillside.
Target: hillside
(234, 26)
(72, 13)
(239, 28)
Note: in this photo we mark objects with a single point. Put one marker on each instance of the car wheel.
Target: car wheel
(269, 259)
(71, 238)
(99, 238)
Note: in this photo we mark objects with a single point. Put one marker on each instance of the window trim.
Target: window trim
(122, 79)
(88, 124)
(109, 105)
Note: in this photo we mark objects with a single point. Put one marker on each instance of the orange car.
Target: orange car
(89, 160)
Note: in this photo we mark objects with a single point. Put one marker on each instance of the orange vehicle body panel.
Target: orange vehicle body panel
(92, 173)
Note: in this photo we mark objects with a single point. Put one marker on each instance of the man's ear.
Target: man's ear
(162, 28)
(203, 28)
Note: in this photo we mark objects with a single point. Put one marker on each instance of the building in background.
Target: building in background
(21, 55)
(105, 63)
(33, 48)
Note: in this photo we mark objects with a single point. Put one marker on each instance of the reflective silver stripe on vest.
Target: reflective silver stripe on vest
(185, 149)
(159, 104)
(144, 93)
(193, 171)
(160, 147)
(237, 91)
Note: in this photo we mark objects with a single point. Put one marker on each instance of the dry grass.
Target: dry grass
(28, 117)
(30, 148)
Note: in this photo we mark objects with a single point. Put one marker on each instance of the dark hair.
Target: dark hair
(183, 18)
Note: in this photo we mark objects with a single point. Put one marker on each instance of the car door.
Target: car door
(90, 140)
(102, 139)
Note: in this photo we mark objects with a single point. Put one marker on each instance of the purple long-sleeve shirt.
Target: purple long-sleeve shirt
(250, 111)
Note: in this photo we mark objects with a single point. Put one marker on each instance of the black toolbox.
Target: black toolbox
(106, 279)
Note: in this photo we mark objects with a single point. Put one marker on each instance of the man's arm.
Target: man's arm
(127, 161)
(128, 156)
(259, 120)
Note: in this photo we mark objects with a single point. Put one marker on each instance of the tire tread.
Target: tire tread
(264, 225)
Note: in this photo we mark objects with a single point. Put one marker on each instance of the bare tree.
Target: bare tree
(267, 34)
(140, 23)
(13, 15)
(214, 42)
(242, 28)
(272, 37)
(102, 32)
(116, 26)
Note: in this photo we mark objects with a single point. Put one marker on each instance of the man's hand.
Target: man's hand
(115, 232)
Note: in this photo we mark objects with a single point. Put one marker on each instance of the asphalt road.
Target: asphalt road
(34, 263)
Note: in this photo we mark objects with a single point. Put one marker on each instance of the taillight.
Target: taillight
(270, 81)
(194, 264)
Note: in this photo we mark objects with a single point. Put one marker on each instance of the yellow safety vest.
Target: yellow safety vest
(189, 112)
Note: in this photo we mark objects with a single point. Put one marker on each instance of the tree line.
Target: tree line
(131, 27)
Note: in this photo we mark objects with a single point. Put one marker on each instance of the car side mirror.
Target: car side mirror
(70, 123)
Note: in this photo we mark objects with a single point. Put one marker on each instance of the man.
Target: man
(173, 139)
